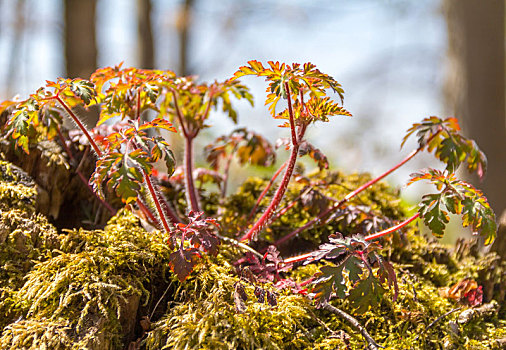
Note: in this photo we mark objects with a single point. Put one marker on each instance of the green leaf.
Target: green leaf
(366, 294)
(330, 279)
(442, 137)
(457, 197)
(83, 89)
(433, 215)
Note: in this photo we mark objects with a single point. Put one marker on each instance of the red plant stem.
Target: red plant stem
(298, 258)
(152, 191)
(226, 170)
(147, 212)
(283, 211)
(392, 229)
(278, 196)
(138, 104)
(266, 189)
(179, 115)
(81, 176)
(345, 199)
(376, 235)
(191, 193)
(290, 114)
(80, 125)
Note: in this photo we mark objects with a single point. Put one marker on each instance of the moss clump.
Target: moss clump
(96, 281)
(81, 289)
(204, 316)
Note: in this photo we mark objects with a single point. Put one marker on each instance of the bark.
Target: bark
(145, 35)
(80, 41)
(475, 86)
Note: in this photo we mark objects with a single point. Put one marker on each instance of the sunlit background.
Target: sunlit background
(391, 56)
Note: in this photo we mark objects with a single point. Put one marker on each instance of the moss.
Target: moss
(80, 289)
(203, 316)
(17, 190)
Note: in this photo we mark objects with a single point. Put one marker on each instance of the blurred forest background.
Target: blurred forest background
(398, 61)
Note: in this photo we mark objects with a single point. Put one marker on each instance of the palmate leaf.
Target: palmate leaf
(22, 122)
(124, 173)
(316, 109)
(442, 137)
(351, 274)
(199, 233)
(117, 88)
(299, 79)
(182, 262)
(83, 89)
(365, 294)
(247, 146)
(456, 197)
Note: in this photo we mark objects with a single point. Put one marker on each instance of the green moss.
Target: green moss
(82, 289)
(203, 316)
(17, 191)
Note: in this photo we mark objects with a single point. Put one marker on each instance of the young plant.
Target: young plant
(304, 88)
(127, 151)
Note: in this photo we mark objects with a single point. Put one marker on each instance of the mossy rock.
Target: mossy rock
(111, 288)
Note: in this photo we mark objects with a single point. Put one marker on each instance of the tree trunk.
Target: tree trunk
(80, 42)
(475, 86)
(145, 35)
(184, 24)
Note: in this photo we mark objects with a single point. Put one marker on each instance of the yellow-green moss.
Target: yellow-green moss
(82, 289)
(203, 316)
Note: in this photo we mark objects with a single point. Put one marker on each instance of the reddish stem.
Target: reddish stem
(147, 212)
(154, 195)
(298, 258)
(266, 189)
(345, 199)
(82, 177)
(179, 115)
(376, 235)
(191, 193)
(80, 125)
(392, 229)
(278, 196)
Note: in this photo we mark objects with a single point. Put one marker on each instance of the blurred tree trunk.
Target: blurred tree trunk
(15, 50)
(145, 35)
(80, 42)
(184, 25)
(475, 86)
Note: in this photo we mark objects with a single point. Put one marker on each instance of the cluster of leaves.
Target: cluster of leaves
(299, 79)
(199, 234)
(248, 146)
(442, 137)
(129, 154)
(456, 197)
(357, 272)
(41, 112)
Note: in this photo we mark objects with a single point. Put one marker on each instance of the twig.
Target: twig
(372, 345)
(437, 320)
(239, 244)
(160, 300)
